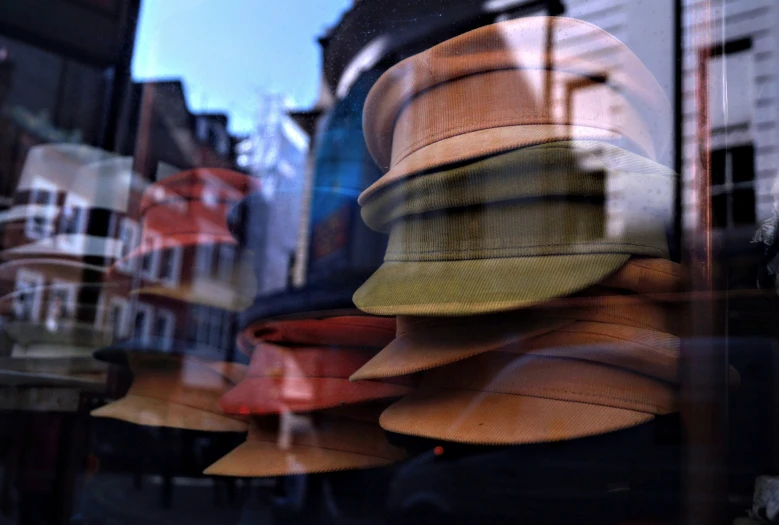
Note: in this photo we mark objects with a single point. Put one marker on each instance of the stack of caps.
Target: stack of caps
(59, 238)
(302, 366)
(175, 328)
(305, 415)
(527, 225)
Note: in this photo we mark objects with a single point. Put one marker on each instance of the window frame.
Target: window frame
(728, 187)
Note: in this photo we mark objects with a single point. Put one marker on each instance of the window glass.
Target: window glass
(389, 262)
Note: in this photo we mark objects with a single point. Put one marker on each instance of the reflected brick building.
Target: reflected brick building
(156, 125)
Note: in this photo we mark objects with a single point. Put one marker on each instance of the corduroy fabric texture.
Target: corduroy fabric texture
(503, 398)
(308, 364)
(177, 393)
(518, 229)
(333, 441)
(558, 169)
(475, 261)
(450, 109)
(543, 226)
(423, 343)
(416, 118)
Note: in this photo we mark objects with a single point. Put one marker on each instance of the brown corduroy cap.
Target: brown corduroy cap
(177, 393)
(500, 398)
(486, 91)
(348, 438)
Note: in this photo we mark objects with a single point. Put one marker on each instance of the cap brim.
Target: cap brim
(261, 458)
(486, 418)
(151, 412)
(264, 396)
(419, 351)
(483, 143)
(475, 286)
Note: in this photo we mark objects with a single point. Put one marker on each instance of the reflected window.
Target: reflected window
(205, 260)
(731, 85)
(226, 263)
(41, 219)
(170, 265)
(62, 302)
(117, 317)
(164, 326)
(70, 222)
(73, 218)
(73, 221)
(204, 326)
(210, 197)
(215, 332)
(27, 302)
(128, 237)
(151, 259)
(142, 322)
(225, 330)
(733, 186)
(39, 227)
(197, 319)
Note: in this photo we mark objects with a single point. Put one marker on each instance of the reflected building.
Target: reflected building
(59, 238)
(729, 67)
(276, 154)
(187, 277)
(156, 125)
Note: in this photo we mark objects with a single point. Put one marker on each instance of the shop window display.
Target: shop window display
(389, 262)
